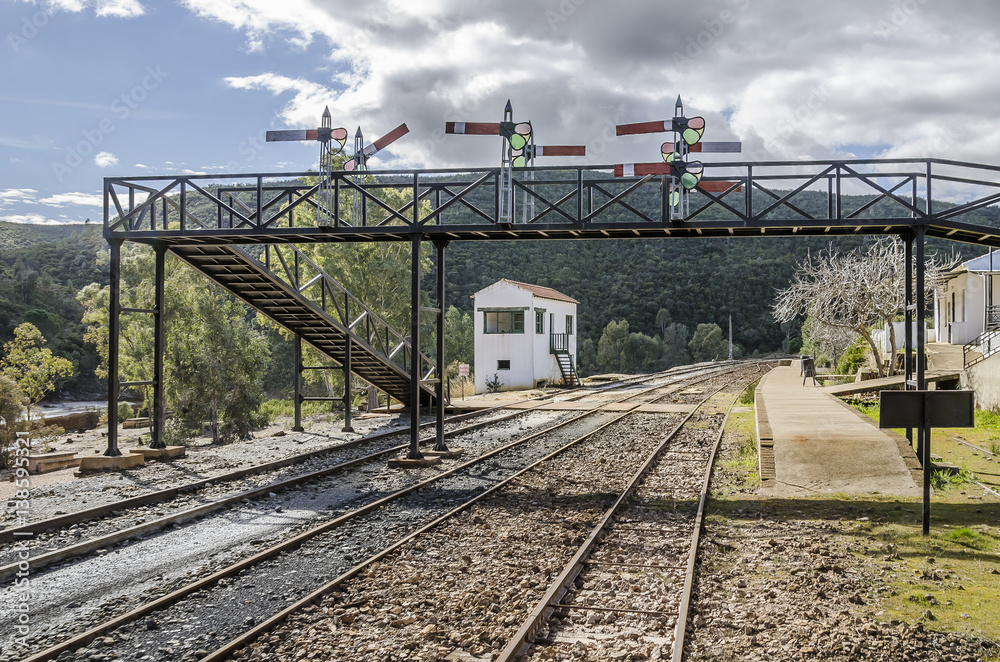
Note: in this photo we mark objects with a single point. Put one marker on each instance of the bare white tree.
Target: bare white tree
(856, 291)
(832, 341)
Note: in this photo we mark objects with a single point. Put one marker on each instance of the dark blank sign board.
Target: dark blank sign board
(931, 409)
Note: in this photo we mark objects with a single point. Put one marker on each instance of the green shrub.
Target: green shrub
(852, 359)
(124, 411)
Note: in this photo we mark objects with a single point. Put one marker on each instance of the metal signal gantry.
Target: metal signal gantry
(518, 150)
(679, 174)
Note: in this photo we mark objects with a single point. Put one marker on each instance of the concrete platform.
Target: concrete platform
(93, 463)
(40, 464)
(168, 453)
(822, 446)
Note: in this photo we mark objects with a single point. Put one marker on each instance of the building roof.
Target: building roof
(982, 263)
(540, 291)
(537, 290)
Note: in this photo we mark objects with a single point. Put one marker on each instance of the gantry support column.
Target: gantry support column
(414, 452)
(923, 432)
(439, 444)
(297, 387)
(114, 325)
(910, 308)
(159, 412)
(347, 374)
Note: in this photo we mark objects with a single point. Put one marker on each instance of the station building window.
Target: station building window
(503, 364)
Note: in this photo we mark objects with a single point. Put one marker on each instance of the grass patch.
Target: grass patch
(738, 465)
(969, 538)
(947, 480)
(275, 408)
(746, 398)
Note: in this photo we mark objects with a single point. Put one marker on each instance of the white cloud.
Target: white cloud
(17, 195)
(142, 166)
(36, 219)
(120, 8)
(105, 160)
(75, 198)
(793, 80)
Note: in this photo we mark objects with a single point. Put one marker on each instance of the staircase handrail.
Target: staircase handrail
(381, 337)
(981, 348)
(558, 343)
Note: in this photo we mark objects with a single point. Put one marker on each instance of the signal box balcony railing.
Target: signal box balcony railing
(873, 196)
(558, 343)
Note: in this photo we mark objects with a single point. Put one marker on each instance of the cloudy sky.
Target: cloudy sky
(92, 88)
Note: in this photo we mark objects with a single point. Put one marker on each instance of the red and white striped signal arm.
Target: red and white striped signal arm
(560, 150)
(387, 139)
(659, 126)
(473, 128)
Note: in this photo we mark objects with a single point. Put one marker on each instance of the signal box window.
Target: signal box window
(569, 325)
(539, 321)
(503, 364)
(504, 321)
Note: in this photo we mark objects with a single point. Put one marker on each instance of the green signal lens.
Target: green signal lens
(675, 198)
(517, 141)
(688, 180)
(518, 162)
(691, 136)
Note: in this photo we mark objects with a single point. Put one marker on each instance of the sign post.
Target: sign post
(925, 410)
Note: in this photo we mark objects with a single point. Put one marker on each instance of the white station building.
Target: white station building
(964, 305)
(525, 336)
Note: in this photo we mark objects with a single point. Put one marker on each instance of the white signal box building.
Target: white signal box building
(525, 336)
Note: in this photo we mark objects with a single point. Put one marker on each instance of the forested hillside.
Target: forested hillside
(42, 267)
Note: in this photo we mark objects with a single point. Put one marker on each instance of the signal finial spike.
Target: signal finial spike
(507, 108)
(679, 107)
(358, 134)
(327, 121)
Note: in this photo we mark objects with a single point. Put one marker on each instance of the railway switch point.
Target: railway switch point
(406, 463)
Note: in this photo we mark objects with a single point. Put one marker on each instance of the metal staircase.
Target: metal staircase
(559, 347)
(982, 348)
(289, 288)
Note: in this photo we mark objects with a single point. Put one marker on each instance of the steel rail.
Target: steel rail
(553, 597)
(84, 638)
(224, 651)
(682, 612)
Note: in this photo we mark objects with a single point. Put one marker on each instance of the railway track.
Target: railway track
(455, 588)
(337, 522)
(83, 532)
